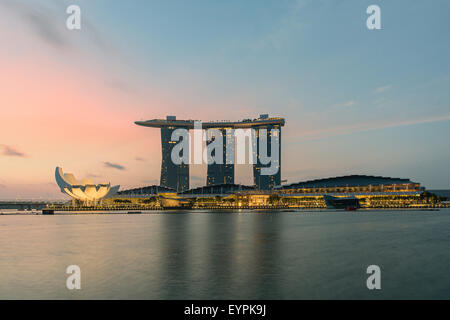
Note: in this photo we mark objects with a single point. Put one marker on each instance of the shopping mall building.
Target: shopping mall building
(365, 191)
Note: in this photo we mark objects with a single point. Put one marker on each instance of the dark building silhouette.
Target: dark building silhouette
(266, 182)
(356, 181)
(219, 189)
(147, 190)
(221, 173)
(177, 176)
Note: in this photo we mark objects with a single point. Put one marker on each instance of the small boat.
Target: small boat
(351, 208)
(47, 211)
(134, 212)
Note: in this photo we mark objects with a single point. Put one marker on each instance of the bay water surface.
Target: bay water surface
(227, 255)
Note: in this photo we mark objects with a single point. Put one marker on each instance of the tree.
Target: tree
(274, 198)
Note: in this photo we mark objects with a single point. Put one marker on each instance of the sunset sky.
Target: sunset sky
(355, 101)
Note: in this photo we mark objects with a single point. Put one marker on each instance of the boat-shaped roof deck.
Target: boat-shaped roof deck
(189, 124)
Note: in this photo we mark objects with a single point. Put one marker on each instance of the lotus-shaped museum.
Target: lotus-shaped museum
(85, 191)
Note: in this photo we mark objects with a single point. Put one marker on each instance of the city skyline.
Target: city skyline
(355, 101)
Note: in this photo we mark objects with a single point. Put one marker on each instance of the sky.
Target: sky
(356, 101)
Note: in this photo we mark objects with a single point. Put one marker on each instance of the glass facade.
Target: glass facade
(261, 181)
(175, 176)
(222, 173)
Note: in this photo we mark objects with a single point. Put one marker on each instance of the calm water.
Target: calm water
(247, 255)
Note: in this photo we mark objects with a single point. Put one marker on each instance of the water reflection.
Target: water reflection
(174, 264)
(218, 256)
(239, 255)
(266, 258)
